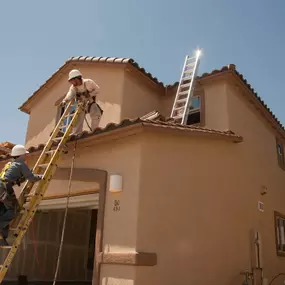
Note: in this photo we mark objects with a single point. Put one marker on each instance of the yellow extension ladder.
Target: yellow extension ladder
(46, 163)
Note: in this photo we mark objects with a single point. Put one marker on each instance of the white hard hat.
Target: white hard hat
(74, 73)
(18, 150)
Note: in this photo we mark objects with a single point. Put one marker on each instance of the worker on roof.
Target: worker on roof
(15, 172)
(85, 90)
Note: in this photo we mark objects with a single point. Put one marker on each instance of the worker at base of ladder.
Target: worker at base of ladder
(85, 90)
(14, 173)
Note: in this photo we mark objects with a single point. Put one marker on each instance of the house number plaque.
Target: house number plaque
(116, 206)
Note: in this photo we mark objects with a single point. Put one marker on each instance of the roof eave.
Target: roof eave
(91, 60)
(194, 133)
(259, 104)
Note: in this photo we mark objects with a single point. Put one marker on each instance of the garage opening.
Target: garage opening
(37, 257)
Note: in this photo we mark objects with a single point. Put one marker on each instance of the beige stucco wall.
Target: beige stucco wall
(216, 106)
(198, 219)
(44, 112)
(214, 103)
(258, 158)
(195, 206)
(121, 156)
(140, 95)
(120, 228)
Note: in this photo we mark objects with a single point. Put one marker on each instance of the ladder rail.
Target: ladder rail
(40, 190)
(28, 185)
(190, 92)
(57, 151)
(183, 99)
(179, 86)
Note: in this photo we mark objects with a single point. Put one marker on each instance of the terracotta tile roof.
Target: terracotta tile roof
(80, 59)
(5, 148)
(157, 120)
(232, 68)
(120, 60)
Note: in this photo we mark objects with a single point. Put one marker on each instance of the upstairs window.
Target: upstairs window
(67, 120)
(194, 116)
(280, 233)
(280, 154)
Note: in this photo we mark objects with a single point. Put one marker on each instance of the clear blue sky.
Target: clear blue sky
(38, 36)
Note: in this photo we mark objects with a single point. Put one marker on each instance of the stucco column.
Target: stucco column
(119, 258)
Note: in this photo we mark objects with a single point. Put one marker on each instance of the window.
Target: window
(194, 116)
(67, 120)
(280, 154)
(280, 233)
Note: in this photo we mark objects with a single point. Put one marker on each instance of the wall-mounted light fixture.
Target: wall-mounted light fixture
(115, 183)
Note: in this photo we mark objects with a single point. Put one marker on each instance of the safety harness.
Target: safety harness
(86, 94)
(3, 172)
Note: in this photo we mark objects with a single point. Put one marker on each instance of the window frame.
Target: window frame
(280, 156)
(61, 111)
(199, 94)
(277, 216)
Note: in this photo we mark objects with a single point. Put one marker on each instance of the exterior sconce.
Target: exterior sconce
(116, 183)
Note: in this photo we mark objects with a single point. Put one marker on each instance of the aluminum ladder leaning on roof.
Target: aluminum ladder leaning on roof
(184, 94)
(46, 165)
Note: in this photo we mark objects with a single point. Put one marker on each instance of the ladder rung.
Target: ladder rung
(6, 246)
(189, 71)
(181, 100)
(50, 152)
(183, 93)
(58, 139)
(187, 78)
(190, 64)
(179, 108)
(69, 116)
(185, 85)
(177, 117)
(45, 165)
(191, 58)
(64, 126)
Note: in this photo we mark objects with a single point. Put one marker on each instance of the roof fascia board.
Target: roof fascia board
(26, 106)
(138, 74)
(192, 133)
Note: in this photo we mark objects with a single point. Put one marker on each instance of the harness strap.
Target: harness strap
(86, 94)
(2, 176)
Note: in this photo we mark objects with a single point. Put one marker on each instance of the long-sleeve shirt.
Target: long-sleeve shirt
(87, 85)
(18, 170)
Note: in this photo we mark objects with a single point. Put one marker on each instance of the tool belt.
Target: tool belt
(86, 95)
(83, 94)
(13, 183)
(89, 104)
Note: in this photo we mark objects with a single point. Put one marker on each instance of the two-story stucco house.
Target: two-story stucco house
(195, 199)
